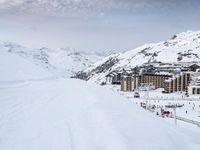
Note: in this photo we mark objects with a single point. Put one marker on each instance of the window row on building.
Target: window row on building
(170, 83)
(130, 83)
(177, 83)
(192, 90)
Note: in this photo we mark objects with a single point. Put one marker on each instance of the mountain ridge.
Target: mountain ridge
(61, 62)
(182, 47)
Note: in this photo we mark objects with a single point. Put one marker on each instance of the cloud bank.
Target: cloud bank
(96, 24)
(78, 7)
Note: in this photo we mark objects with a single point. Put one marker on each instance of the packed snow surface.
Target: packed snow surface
(66, 114)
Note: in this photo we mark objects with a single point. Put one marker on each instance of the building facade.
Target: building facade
(113, 78)
(177, 83)
(193, 90)
(194, 67)
(130, 83)
(157, 80)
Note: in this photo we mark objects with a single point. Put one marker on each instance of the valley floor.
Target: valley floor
(65, 114)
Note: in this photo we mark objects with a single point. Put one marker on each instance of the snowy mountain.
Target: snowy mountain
(38, 112)
(183, 47)
(61, 62)
(14, 68)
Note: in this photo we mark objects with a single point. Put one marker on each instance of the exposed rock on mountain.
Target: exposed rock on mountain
(183, 47)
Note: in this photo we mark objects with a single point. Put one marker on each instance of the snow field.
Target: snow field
(71, 114)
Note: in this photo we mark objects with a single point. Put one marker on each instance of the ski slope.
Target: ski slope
(72, 115)
(65, 114)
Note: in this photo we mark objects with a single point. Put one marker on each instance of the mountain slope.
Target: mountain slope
(184, 47)
(61, 62)
(66, 114)
(14, 68)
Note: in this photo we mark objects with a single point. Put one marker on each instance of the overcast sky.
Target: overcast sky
(101, 25)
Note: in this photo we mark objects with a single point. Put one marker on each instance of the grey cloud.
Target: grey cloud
(74, 7)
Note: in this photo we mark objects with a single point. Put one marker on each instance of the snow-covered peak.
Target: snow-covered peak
(187, 35)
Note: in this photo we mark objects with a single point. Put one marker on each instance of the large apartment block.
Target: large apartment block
(157, 80)
(194, 88)
(130, 83)
(177, 83)
(171, 77)
(170, 82)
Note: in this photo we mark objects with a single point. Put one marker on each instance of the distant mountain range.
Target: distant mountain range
(61, 62)
(183, 47)
(93, 66)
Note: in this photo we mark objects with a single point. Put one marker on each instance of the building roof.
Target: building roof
(194, 86)
(168, 80)
(164, 73)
